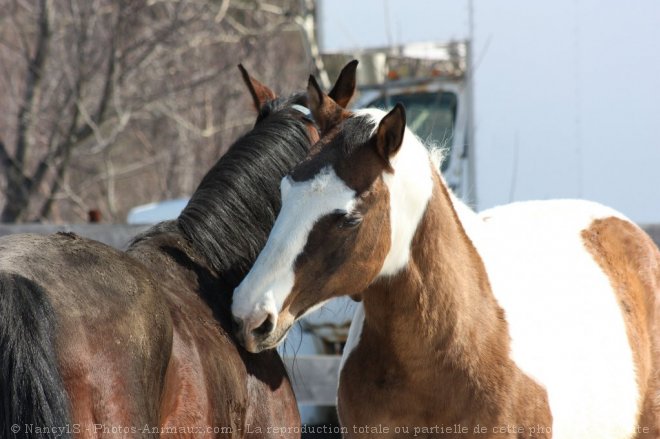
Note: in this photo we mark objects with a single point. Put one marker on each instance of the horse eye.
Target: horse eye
(350, 220)
(347, 220)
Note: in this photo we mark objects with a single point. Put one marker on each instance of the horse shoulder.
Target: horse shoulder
(211, 381)
(203, 367)
(201, 389)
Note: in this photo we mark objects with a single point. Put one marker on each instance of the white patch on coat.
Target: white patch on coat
(354, 334)
(567, 328)
(410, 188)
(271, 279)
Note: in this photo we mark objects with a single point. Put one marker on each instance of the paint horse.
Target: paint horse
(534, 320)
(99, 343)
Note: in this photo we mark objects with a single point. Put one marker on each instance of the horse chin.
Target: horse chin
(273, 340)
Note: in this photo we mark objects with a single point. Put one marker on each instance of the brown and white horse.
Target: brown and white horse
(533, 320)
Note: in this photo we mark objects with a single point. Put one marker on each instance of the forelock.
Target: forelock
(336, 150)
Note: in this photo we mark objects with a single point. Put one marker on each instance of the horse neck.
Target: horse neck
(230, 215)
(225, 235)
(438, 315)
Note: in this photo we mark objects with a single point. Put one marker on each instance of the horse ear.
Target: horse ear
(315, 96)
(327, 113)
(344, 88)
(389, 134)
(260, 93)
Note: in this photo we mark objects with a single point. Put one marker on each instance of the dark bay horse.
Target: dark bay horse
(95, 342)
(531, 320)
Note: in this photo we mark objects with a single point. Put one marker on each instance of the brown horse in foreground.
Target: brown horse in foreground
(532, 320)
(95, 342)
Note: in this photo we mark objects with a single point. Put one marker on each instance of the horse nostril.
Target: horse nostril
(265, 327)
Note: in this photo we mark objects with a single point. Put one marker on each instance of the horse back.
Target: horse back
(580, 285)
(112, 334)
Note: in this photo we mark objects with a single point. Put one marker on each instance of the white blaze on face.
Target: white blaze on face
(271, 279)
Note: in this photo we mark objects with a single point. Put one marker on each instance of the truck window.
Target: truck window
(431, 115)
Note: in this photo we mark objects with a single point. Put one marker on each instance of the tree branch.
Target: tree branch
(56, 184)
(33, 76)
(18, 185)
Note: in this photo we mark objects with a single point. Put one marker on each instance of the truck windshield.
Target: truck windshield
(431, 115)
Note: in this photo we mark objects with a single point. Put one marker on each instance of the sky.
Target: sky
(567, 93)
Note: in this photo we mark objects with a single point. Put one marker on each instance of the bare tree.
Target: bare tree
(107, 104)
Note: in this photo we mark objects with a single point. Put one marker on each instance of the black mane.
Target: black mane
(231, 213)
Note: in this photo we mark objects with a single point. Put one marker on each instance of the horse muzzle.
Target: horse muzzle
(254, 331)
